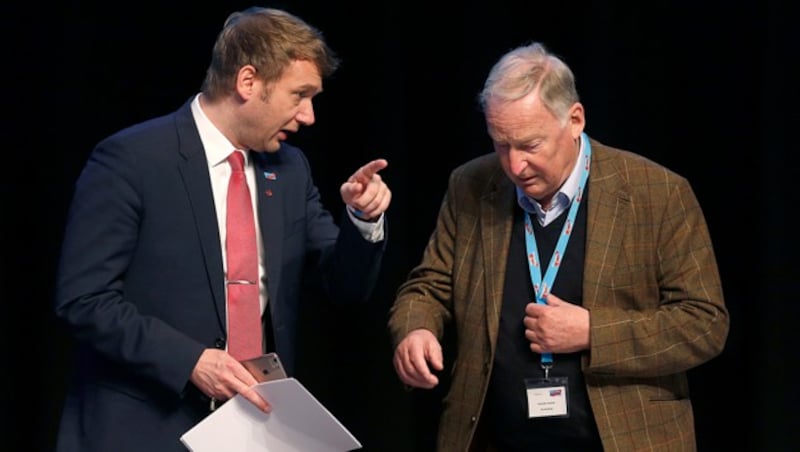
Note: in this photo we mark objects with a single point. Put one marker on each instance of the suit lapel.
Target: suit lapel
(194, 171)
(270, 201)
(497, 220)
(608, 215)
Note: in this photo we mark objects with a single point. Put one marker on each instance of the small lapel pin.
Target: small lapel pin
(270, 176)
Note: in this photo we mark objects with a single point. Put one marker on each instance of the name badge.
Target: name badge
(547, 397)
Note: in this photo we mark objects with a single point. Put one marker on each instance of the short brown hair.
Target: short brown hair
(269, 39)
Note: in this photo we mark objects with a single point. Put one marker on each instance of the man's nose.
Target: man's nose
(306, 113)
(517, 161)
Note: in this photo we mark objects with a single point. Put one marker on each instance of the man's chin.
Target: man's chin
(272, 147)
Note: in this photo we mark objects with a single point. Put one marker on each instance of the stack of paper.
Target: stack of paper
(297, 423)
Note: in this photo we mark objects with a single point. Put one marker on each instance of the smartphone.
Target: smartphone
(266, 367)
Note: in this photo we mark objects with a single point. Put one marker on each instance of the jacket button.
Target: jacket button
(219, 343)
(473, 419)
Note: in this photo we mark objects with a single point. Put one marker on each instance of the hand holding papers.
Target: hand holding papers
(297, 423)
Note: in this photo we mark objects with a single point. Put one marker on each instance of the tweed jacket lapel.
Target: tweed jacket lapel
(497, 220)
(608, 214)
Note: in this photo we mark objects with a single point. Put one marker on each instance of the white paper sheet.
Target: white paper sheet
(297, 423)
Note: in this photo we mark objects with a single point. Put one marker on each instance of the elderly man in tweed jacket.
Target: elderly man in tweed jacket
(635, 303)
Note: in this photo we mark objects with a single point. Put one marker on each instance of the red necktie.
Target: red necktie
(244, 312)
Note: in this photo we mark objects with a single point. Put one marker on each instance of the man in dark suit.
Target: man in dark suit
(142, 277)
(580, 281)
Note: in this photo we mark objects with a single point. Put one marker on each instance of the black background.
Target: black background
(708, 91)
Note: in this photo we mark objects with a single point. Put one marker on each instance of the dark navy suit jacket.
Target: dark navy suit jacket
(140, 282)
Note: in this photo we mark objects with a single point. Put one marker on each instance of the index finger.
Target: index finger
(365, 173)
(255, 398)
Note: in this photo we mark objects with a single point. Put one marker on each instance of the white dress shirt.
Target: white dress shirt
(217, 149)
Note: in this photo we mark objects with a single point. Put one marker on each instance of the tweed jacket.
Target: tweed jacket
(650, 282)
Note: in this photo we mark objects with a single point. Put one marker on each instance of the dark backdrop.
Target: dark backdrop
(707, 91)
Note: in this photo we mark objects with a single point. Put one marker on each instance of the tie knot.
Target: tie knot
(236, 160)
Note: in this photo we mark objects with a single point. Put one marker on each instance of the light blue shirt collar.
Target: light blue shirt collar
(561, 200)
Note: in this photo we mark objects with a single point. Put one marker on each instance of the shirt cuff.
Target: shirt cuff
(372, 231)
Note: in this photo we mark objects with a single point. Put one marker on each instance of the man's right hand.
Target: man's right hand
(414, 357)
(220, 376)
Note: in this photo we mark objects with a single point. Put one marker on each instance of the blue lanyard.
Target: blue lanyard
(541, 287)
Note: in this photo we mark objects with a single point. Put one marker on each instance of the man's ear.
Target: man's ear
(576, 120)
(245, 81)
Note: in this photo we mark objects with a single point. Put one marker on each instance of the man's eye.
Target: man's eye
(530, 147)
